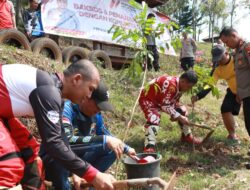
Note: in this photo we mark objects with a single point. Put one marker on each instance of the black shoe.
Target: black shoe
(248, 166)
(157, 68)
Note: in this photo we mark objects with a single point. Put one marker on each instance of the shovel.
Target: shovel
(141, 182)
(211, 131)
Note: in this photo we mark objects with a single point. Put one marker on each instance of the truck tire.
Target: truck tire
(15, 38)
(33, 42)
(98, 56)
(47, 47)
(73, 53)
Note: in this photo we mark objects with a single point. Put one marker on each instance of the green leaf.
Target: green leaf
(162, 49)
(134, 4)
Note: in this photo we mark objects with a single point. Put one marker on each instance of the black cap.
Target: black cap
(101, 97)
(217, 52)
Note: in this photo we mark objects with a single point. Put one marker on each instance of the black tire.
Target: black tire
(98, 56)
(15, 38)
(33, 43)
(48, 46)
(73, 53)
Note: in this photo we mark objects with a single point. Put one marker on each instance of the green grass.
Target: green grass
(216, 165)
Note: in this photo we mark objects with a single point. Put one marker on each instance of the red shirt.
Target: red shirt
(6, 13)
(164, 94)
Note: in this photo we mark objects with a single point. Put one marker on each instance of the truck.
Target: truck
(82, 33)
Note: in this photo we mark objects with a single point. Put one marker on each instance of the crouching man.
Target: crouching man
(163, 94)
(88, 138)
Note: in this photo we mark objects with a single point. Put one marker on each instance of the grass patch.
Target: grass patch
(218, 164)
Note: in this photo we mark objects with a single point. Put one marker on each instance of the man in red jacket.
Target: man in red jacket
(28, 91)
(163, 94)
(7, 15)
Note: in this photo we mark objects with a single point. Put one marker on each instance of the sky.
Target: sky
(242, 23)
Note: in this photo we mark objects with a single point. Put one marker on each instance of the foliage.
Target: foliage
(172, 8)
(185, 14)
(213, 9)
(136, 38)
(205, 81)
(246, 3)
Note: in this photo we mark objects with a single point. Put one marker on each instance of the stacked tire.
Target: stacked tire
(50, 49)
(47, 47)
(101, 58)
(73, 53)
(15, 38)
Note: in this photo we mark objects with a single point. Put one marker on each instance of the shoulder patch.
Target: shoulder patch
(53, 116)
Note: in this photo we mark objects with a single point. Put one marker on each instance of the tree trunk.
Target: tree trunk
(212, 28)
(209, 26)
(232, 12)
(194, 18)
(18, 4)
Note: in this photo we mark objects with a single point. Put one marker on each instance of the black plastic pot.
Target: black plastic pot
(135, 170)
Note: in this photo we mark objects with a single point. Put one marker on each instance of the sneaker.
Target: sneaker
(149, 149)
(190, 139)
(248, 166)
(234, 138)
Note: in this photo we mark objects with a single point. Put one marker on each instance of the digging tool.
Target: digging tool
(141, 182)
(201, 126)
(211, 131)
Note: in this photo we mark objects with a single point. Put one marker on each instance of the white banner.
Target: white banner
(91, 19)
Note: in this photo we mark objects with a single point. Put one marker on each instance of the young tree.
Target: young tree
(136, 38)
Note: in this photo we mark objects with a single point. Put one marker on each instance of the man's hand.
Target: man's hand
(77, 181)
(238, 99)
(116, 145)
(103, 181)
(183, 120)
(173, 119)
(194, 99)
(131, 152)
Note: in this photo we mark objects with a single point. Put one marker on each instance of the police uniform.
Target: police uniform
(242, 70)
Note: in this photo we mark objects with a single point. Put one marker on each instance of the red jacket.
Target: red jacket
(163, 93)
(6, 13)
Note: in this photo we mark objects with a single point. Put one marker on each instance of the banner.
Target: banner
(91, 19)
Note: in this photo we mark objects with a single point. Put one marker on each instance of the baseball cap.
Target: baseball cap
(101, 97)
(217, 52)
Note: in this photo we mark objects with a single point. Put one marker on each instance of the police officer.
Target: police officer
(231, 38)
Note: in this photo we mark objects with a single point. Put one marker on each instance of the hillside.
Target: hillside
(217, 165)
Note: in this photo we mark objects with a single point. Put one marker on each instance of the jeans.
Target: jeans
(98, 157)
(57, 174)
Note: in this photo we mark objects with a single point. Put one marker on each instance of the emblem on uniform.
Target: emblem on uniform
(53, 116)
